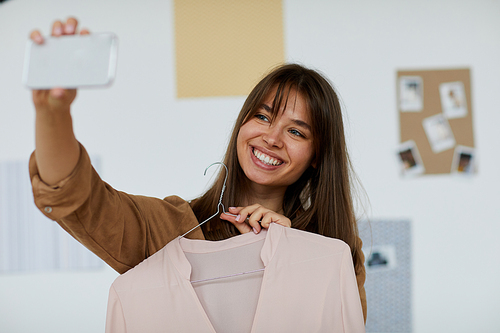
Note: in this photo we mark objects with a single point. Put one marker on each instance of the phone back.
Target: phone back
(74, 61)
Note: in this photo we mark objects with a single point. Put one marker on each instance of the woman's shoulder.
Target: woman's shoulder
(315, 242)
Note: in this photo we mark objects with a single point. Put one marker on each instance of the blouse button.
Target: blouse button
(48, 209)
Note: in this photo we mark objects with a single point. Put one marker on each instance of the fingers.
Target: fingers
(261, 217)
(57, 93)
(39, 96)
(272, 217)
(253, 214)
(70, 26)
(255, 218)
(243, 215)
(58, 29)
(62, 96)
(36, 36)
(53, 99)
(241, 225)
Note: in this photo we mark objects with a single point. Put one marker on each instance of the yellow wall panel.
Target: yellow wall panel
(223, 47)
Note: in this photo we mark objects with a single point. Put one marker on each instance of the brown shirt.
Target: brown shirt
(120, 228)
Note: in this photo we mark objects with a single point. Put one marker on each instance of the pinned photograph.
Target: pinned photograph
(453, 100)
(464, 161)
(409, 158)
(439, 133)
(382, 257)
(411, 94)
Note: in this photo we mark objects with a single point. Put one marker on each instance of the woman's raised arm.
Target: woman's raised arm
(57, 150)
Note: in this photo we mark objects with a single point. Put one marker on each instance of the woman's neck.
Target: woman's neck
(269, 198)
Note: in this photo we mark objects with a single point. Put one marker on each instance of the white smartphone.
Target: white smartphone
(73, 61)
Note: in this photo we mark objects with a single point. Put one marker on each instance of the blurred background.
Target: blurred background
(153, 139)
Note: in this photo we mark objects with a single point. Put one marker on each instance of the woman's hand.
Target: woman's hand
(254, 218)
(57, 150)
(56, 99)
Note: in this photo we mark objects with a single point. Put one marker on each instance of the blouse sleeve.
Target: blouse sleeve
(352, 311)
(120, 228)
(115, 319)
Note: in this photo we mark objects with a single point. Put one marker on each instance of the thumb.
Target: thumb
(61, 97)
(57, 93)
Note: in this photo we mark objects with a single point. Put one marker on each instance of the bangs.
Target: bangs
(282, 91)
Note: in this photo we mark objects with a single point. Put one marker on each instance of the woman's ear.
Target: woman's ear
(314, 163)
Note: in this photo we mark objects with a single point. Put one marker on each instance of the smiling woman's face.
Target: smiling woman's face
(277, 152)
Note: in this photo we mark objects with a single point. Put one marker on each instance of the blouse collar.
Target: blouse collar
(178, 246)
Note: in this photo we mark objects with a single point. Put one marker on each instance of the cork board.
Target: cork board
(435, 113)
(223, 47)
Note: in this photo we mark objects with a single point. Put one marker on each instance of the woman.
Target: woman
(287, 162)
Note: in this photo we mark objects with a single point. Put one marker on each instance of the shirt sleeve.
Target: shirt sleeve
(120, 228)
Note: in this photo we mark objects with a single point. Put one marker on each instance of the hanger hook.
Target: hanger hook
(220, 204)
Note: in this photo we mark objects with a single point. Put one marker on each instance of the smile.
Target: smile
(266, 159)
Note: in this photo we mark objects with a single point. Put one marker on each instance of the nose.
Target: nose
(273, 137)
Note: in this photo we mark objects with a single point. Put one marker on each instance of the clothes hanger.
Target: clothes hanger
(228, 276)
(220, 206)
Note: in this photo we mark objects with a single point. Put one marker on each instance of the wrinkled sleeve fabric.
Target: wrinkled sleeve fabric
(120, 228)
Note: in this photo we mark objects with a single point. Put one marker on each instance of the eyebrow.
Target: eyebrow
(266, 107)
(297, 122)
(302, 124)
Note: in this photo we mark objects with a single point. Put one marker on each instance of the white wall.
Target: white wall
(151, 143)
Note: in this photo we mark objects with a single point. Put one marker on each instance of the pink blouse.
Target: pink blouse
(307, 284)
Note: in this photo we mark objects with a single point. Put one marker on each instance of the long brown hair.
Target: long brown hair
(320, 200)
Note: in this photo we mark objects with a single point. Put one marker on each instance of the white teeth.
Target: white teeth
(266, 159)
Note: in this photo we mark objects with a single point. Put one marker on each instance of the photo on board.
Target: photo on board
(464, 161)
(381, 257)
(411, 94)
(453, 101)
(409, 158)
(439, 133)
